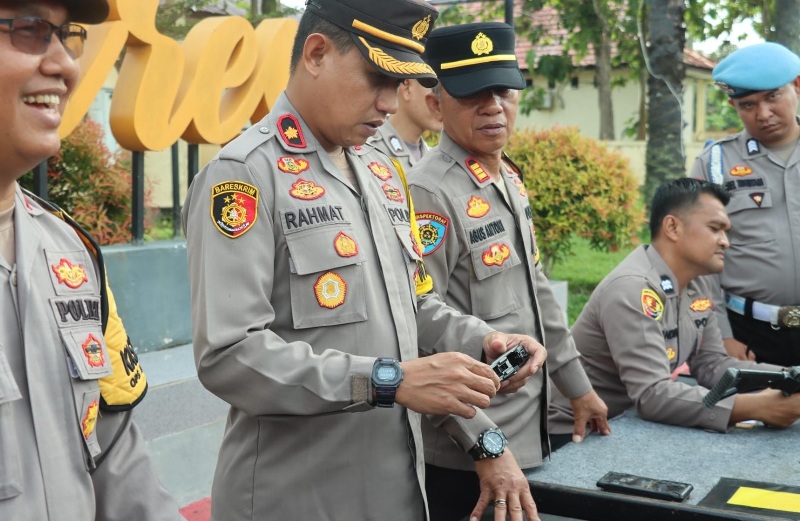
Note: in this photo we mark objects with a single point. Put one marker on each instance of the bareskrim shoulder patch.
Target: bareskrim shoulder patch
(234, 207)
(291, 132)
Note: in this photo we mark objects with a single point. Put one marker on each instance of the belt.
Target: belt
(778, 316)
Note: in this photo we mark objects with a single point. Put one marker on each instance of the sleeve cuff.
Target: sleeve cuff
(571, 379)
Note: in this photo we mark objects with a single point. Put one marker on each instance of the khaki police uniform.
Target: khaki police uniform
(481, 251)
(635, 331)
(299, 281)
(388, 141)
(763, 261)
(68, 447)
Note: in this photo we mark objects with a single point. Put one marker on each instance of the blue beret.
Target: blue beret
(764, 66)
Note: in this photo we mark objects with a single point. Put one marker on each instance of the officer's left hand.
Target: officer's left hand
(501, 479)
(589, 408)
(495, 344)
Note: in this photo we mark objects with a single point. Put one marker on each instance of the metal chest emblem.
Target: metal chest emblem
(292, 165)
(330, 290)
(90, 419)
(651, 304)
(671, 354)
(345, 245)
(392, 193)
(477, 170)
(477, 207)
(234, 207)
(420, 28)
(666, 284)
(432, 231)
(71, 275)
(291, 132)
(382, 172)
(700, 304)
(496, 255)
(741, 170)
(521, 186)
(757, 198)
(93, 351)
(306, 190)
(482, 45)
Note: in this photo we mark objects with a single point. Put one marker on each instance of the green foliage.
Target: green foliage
(177, 18)
(577, 188)
(91, 184)
(720, 116)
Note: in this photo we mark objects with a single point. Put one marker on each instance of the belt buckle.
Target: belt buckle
(789, 316)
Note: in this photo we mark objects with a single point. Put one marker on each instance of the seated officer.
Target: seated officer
(761, 168)
(654, 312)
(478, 241)
(400, 137)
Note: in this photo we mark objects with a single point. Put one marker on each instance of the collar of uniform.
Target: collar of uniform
(660, 270)
(282, 108)
(389, 135)
(21, 201)
(460, 156)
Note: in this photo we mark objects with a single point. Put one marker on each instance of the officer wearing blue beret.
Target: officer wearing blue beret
(758, 293)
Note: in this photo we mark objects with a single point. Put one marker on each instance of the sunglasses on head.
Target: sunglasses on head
(32, 35)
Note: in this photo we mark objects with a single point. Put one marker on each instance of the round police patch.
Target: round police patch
(432, 231)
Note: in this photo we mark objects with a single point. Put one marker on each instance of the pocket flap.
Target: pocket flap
(9, 391)
(749, 200)
(88, 353)
(323, 249)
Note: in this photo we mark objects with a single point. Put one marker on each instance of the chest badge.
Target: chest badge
(496, 255)
(93, 351)
(477, 207)
(651, 304)
(671, 353)
(234, 207)
(521, 186)
(477, 170)
(345, 245)
(666, 284)
(382, 172)
(432, 231)
(397, 146)
(392, 193)
(292, 165)
(700, 304)
(757, 198)
(291, 132)
(306, 190)
(482, 45)
(90, 419)
(330, 290)
(753, 147)
(740, 171)
(71, 275)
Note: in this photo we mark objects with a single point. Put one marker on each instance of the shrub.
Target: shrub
(92, 184)
(576, 187)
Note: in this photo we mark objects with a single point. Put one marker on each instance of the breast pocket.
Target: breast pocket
(10, 476)
(746, 208)
(491, 294)
(326, 278)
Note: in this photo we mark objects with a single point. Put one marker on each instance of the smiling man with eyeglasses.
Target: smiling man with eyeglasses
(69, 378)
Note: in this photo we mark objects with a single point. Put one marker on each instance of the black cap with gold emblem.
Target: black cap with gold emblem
(471, 58)
(80, 11)
(389, 33)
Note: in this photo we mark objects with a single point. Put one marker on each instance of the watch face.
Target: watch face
(386, 373)
(493, 442)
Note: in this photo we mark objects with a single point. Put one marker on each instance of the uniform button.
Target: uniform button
(447, 159)
(263, 130)
(14, 278)
(712, 416)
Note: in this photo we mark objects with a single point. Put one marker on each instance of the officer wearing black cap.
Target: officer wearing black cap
(69, 377)
(758, 294)
(308, 288)
(480, 248)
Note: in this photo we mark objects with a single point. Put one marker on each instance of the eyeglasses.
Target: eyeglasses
(32, 35)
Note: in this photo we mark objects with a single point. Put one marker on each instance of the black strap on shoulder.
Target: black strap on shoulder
(87, 240)
(513, 166)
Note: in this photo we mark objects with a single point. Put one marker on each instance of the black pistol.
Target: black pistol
(746, 380)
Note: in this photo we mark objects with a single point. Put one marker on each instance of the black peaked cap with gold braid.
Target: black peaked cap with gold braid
(391, 34)
(470, 58)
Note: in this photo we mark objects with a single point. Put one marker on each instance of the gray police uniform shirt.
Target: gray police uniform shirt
(52, 353)
(388, 141)
(635, 331)
(298, 283)
(763, 261)
(481, 251)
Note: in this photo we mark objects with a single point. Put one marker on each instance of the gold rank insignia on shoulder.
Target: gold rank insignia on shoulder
(477, 170)
(290, 131)
(482, 45)
(421, 28)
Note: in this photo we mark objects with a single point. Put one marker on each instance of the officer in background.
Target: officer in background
(653, 313)
(401, 136)
(479, 246)
(309, 292)
(760, 166)
(69, 450)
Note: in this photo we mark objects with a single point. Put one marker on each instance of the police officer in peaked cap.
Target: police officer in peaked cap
(758, 293)
(480, 248)
(309, 289)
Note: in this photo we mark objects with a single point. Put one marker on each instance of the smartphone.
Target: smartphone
(645, 487)
(510, 362)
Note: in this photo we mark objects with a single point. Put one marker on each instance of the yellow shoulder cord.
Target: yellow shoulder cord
(423, 281)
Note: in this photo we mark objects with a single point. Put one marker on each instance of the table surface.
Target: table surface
(683, 454)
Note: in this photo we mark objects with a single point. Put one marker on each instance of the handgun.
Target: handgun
(746, 380)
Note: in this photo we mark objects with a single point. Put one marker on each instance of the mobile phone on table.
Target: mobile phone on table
(645, 487)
